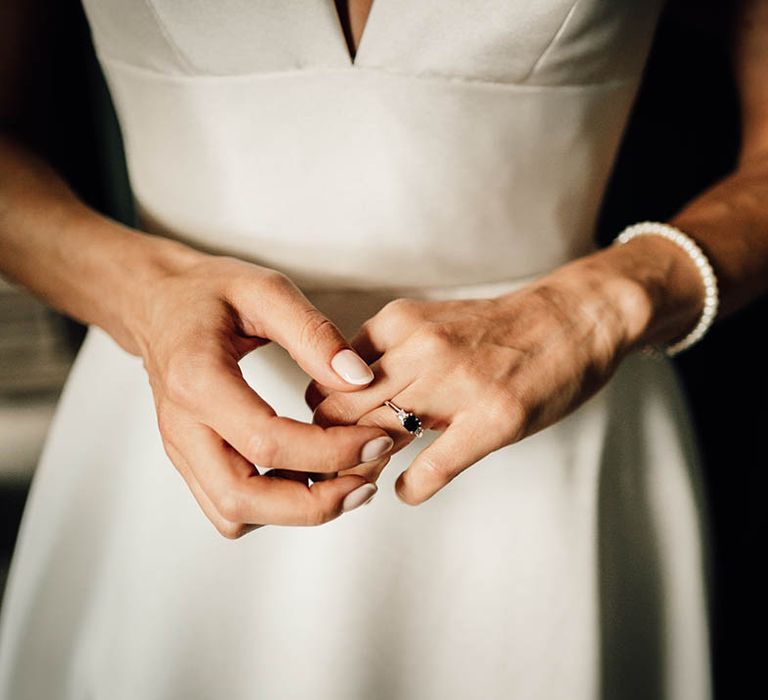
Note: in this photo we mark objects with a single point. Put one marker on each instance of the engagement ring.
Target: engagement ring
(410, 421)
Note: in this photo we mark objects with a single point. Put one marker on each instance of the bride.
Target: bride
(366, 267)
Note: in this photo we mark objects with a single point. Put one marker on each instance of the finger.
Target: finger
(250, 425)
(395, 373)
(370, 471)
(285, 315)
(382, 417)
(240, 495)
(385, 418)
(315, 393)
(381, 333)
(464, 443)
(226, 528)
(394, 322)
(284, 443)
(365, 345)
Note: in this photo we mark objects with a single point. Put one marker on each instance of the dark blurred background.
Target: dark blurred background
(683, 136)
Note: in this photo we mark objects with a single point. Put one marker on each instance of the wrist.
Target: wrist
(157, 260)
(615, 305)
(605, 309)
(130, 264)
(656, 287)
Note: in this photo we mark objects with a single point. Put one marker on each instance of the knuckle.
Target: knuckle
(434, 339)
(185, 379)
(333, 413)
(232, 531)
(317, 512)
(229, 505)
(316, 329)
(507, 413)
(262, 449)
(315, 516)
(469, 375)
(275, 281)
(439, 468)
(401, 309)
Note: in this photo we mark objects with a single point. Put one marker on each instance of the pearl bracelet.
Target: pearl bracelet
(711, 297)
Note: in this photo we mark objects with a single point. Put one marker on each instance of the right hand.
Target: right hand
(191, 327)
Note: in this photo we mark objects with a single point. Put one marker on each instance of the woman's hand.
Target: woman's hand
(490, 372)
(192, 316)
(191, 326)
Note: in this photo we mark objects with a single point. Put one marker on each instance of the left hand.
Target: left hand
(488, 372)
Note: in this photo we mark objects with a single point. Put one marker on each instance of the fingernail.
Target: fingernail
(359, 497)
(351, 368)
(373, 449)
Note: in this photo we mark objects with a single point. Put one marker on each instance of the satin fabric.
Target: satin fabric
(462, 153)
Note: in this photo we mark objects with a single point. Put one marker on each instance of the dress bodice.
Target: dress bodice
(467, 142)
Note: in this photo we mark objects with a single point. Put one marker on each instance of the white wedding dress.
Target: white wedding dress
(464, 151)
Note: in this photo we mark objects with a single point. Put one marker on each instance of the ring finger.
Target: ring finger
(388, 418)
(393, 373)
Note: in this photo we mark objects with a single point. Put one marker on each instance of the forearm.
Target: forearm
(78, 261)
(730, 223)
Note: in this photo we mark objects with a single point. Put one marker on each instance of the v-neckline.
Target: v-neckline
(353, 61)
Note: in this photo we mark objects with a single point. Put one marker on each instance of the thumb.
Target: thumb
(313, 341)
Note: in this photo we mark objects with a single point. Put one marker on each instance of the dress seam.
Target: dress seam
(365, 70)
(169, 40)
(556, 36)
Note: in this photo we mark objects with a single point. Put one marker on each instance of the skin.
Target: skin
(501, 369)
(492, 351)
(356, 13)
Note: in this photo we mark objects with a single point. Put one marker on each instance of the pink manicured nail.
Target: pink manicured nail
(351, 368)
(373, 449)
(359, 497)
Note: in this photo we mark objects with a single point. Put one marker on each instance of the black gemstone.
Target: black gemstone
(411, 423)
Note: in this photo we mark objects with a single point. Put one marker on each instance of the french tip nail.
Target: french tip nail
(376, 448)
(359, 497)
(351, 367)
